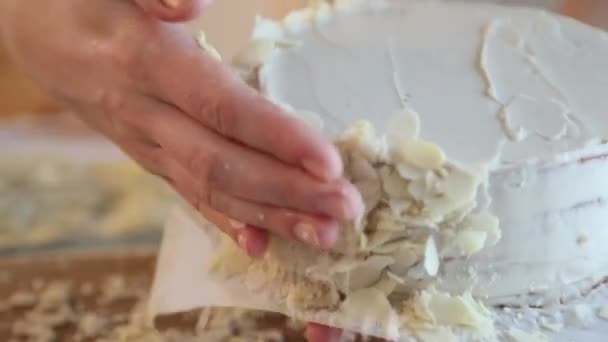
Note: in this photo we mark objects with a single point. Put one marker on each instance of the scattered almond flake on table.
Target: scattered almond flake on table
(115, 288)
(5, 277)
(52, 309)
(86, 289)
(38, 284)
(56, 305)
(21, 299)
(91, 325)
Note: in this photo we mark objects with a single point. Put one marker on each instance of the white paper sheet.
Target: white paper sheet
(183, 283)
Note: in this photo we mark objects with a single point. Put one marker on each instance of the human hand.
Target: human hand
(184, 116)
(321, 333)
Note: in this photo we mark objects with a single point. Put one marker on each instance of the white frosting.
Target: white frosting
(519, 91)
(460, 66)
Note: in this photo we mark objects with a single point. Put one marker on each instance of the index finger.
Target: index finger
(214, 95)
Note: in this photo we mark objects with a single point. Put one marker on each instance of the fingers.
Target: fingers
(252, 240)
(251, 119)
(321, 333)
(149, 157)
(315, 232)
(222, 166)
(173, 10)
(214, 96)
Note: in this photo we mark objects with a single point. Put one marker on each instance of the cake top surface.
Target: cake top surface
(490, 83)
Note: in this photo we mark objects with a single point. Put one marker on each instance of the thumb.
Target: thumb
(173, 10)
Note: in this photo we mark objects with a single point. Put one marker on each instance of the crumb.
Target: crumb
(37, 284)
(581, 240)
(115, 288)
(55, 294)
(5, 277)
(21, 299)
(91, 325)
(87, 289)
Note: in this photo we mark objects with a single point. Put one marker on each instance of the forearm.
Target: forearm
(593, 12)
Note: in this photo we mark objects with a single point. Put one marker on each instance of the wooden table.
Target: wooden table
(79, 269)
(90, 273)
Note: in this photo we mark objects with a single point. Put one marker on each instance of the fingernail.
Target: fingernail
(344, 205)
(242, 241)
(320, 170)
(354, 205)
(236, 224)
(329, 235)
(306, 233)
(171, 3)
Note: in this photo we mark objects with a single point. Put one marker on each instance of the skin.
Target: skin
(132, 74)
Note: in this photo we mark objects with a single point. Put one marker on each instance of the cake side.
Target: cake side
(493, 97)
(553, 220)
(510, 84)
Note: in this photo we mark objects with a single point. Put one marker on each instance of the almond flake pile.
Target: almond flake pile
(419, 209)
(54, 306)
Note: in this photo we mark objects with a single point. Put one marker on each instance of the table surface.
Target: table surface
(95, 269)
(77, 268)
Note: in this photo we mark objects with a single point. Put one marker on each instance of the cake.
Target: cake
(476, 135)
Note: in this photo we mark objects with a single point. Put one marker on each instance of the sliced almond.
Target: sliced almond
(470, 241)
(372, 311)
(421, 154)
(255, 54)
(489, 224)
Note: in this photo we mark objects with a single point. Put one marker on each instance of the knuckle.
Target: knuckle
(155, 164)
(211, 110)
(113, 106)
(122, 50)
(123, 54)
(202, 198)
(111, 101)
(288, 191)
(205, 165)
(284, 221)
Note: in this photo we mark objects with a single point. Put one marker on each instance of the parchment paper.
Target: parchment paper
(183, 282)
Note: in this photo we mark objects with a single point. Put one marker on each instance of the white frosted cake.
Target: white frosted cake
(477, 137)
